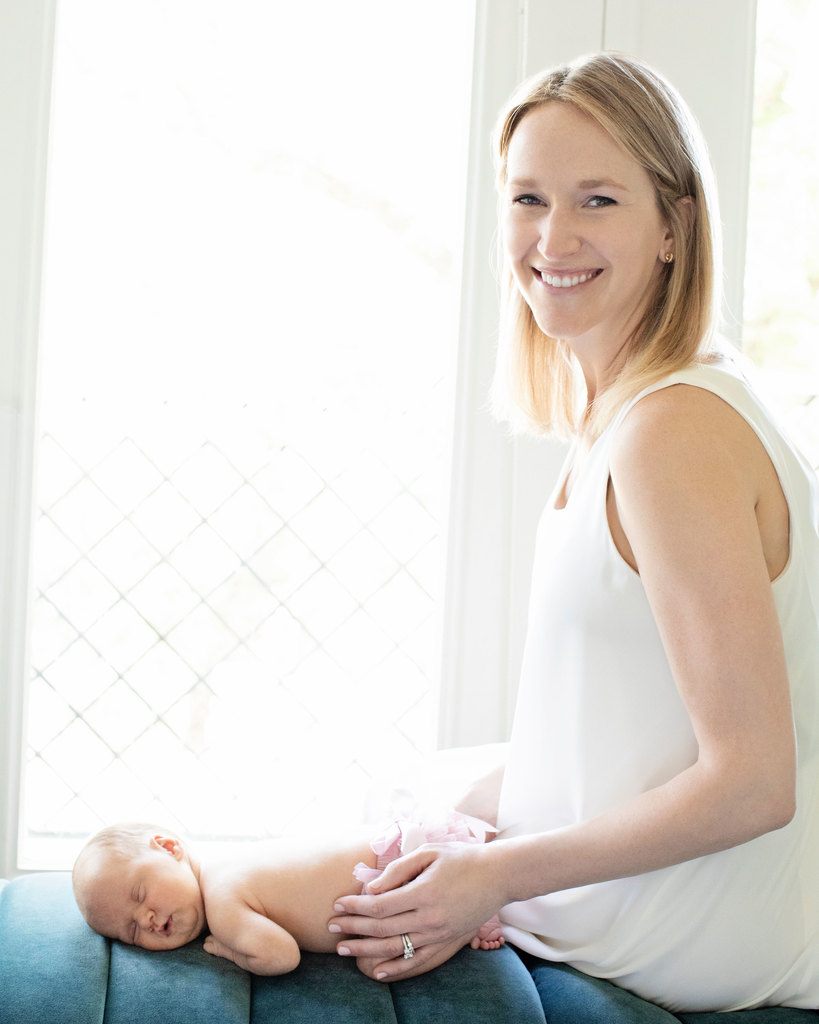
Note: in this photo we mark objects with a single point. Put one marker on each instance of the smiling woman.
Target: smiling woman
(656, 813)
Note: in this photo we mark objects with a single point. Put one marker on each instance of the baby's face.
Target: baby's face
(152, 899)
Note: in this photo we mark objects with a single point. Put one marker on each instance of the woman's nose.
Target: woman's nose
(559, 236)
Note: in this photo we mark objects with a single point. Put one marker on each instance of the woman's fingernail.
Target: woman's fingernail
(381, 976)
(333, 928)
(343, 951)
(339, 908)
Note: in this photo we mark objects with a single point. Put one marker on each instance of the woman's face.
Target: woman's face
(578, 208)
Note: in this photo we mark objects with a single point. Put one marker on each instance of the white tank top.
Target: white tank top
(599, 720)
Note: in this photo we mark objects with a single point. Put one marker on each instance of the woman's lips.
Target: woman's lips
(566, 282)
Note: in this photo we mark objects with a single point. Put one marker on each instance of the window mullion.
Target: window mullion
(26, 46)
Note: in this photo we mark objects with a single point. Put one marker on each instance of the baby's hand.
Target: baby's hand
(217, 948)
(280, 953)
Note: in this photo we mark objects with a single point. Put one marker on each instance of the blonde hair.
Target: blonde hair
(535, 383)
(123, 840)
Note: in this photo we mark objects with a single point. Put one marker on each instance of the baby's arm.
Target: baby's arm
(252, 941)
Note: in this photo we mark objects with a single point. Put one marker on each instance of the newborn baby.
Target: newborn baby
(261, 904)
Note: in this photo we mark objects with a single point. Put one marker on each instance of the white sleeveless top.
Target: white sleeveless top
(599, 720)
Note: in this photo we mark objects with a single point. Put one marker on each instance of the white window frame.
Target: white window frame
(26, 46)
(498, 487)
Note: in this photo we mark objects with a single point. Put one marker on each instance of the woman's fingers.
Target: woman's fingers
(358, 915)
(403, 870)
(423, 960)
(370, 918)
(383, 949)
(366, 936)
(378, 950)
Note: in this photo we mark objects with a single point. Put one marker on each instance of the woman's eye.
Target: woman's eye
(603, 200)
(520, 199)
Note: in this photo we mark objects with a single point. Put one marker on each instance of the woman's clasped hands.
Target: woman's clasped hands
(439, 895)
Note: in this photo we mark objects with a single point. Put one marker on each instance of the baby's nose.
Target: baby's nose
(147, 920)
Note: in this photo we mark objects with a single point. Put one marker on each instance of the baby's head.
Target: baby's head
(138, 884)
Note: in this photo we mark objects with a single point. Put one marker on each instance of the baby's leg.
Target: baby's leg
(490, 935)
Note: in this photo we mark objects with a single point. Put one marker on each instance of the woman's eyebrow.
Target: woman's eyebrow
(586, 183)
(597, 182)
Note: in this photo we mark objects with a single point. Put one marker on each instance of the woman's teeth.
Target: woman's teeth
(568, 282)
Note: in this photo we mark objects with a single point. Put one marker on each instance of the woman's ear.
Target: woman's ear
(687, 207)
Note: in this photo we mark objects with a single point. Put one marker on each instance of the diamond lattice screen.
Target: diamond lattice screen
(249, 323)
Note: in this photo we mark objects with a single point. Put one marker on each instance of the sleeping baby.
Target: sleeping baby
(261, 905)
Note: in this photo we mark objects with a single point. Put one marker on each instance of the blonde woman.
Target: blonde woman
(659, 809)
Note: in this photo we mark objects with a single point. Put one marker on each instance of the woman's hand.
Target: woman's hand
(439, 895)
(424, 960)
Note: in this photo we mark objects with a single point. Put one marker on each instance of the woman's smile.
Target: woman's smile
(567, 280)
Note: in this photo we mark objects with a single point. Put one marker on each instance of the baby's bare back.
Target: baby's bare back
(293, 881)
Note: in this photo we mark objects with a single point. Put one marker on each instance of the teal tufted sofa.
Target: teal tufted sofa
(55, 970)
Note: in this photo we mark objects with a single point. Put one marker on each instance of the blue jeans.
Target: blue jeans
(571, 997)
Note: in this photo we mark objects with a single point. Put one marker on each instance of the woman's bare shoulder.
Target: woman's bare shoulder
(692, 428)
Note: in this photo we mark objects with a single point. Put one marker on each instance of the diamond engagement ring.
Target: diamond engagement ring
(409, 949)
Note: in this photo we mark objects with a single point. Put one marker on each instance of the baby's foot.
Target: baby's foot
(490, 935)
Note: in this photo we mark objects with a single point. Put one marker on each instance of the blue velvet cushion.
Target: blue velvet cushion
(55, 970)
(52, 966)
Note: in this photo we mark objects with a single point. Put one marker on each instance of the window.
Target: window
(781, 317)
(249, 319)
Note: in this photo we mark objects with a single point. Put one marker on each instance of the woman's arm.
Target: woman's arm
(686, 499)
(687, 502)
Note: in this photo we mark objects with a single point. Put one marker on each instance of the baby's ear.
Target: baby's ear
(168, 844)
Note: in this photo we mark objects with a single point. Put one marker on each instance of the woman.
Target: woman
(659, 809)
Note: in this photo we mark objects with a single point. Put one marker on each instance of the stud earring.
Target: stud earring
(669, 257)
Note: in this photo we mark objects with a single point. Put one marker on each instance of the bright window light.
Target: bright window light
(781, 318)
(250, 302)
